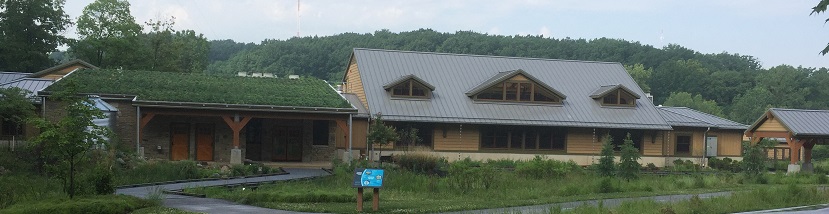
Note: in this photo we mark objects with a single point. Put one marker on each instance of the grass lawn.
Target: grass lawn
(409, 192)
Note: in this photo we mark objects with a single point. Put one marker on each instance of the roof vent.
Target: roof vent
(649, 96)
(293, 76)
(242, 74)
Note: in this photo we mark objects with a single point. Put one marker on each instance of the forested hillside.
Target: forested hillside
(730, 85)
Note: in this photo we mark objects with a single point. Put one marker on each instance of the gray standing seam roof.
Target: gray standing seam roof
(408, 77)
(802, 122)
(33, 85)
(503, 76)
(6, 77)
(355, 101)
(687, 117)
(603, 90)
(454, 74)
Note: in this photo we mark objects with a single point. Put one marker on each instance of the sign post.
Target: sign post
(368, 178)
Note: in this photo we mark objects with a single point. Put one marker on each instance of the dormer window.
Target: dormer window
(409, 86)
(515, 86)
(615, 95)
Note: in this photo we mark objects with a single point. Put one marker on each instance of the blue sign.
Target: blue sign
(370, 178)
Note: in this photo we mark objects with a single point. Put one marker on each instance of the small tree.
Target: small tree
(67, 140)
(629, 164)
(380, 134)
(408, 136)
(755, 157)
(15, 108)
(606, 166)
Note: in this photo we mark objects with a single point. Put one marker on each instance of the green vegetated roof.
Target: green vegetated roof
(202, 88)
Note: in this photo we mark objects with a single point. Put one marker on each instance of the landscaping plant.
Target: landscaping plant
(629, 166)
(606, 167)
(380, 134)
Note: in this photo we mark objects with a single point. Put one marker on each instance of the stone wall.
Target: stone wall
(325, 152)
(157, 135)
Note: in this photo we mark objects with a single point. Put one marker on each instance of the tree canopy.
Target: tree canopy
(29, 31)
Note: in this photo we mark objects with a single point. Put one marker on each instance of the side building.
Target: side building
(493, 107)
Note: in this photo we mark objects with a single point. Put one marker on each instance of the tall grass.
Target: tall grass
(159, 171)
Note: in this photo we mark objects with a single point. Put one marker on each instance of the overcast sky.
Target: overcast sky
(776, 32)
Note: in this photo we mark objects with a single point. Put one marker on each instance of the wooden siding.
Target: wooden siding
(581, 141)
(652, 144)
(458, 138)
(729, 143)
(772, 124)
(696, 140)
(354, 83)
(359, 131)
(519, 78)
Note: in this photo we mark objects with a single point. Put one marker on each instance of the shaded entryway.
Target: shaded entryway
(800, 128)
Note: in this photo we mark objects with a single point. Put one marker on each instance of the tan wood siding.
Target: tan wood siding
(519, 78)
(458, 138)
(359, 130)
(696, 140)
(652, 144)
(729, 143)
(353, 82)
(772, 125)
(580, 141)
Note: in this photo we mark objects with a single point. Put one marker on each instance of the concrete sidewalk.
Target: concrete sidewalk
(209, 205)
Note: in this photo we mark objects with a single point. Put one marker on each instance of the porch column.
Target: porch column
(794, 146)
(807, 156)
(236, 126)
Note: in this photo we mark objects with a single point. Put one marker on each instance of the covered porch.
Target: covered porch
(801, 129)
(234, 133)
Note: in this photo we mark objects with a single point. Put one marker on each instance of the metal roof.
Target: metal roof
(454, 74)
(687, 117)
(355, 101)
(61, 66)
(33, 85)
(801, 122)
(406, 78)
(502, 76)
(603, 90)
(11, 76)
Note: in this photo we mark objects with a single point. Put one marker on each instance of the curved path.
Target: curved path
(210, 205)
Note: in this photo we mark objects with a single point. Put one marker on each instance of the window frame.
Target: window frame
(411, 84)
(534, 89)
(493, 132)
(690, 144)
(619, 93)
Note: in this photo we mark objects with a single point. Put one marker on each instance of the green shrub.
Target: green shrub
(607, 185)
(820, 152)
(420, 162)
(651, 167)
(301, 197)
(466, 175)
(540, 168)
(754, 159)
(606, 167)
(502, 163)
(158, 172)
(96, 204)
(629, 161)
(724, 164)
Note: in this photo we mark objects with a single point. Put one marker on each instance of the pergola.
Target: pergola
(799, 127)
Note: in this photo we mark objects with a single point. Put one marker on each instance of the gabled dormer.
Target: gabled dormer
(615, 95)
(409, 86)
(515, 86)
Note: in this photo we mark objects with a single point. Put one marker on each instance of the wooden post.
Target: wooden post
(359, 199)
(236, 126)
(375, 200)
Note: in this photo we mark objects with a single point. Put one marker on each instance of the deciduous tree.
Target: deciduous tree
(29, 31)
(696, 102)
(108, 34)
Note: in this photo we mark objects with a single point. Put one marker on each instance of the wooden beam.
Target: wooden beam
(146, 119)
(236, 127)
(768, 134)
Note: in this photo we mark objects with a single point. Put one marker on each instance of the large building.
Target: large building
(493, 107)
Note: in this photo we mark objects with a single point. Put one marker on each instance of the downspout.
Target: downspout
(705, 146)
(350, 145)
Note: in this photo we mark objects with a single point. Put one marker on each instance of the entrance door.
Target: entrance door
(711, 143)
(179, 141)
(204, 142)
(287, 143)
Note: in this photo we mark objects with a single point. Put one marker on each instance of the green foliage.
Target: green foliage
(29, 31)
(640, 75)
(159, 171)
(95, 204)
(607, 185)
(629, 161)
(698, 103)
(817, 9)
(467, 175)
(606, 167)
(201, 88)
(379, 134)
(108, 35)
(540, 168)
(724, 164)
(820, 152)
(67, 140)
(685, 166)
(420, 162)
(15, 107)
(755, 158)
(408, 136)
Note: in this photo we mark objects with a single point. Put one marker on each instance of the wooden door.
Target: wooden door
(180, 141)
(204, 142)
(287, 143)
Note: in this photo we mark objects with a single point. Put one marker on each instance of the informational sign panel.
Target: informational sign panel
(368, 178)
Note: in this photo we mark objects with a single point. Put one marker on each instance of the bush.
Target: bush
(301, 197)
(629, 161)
(466, 175)
(754, 159)
(540, 168)
(820, 152)
(158, 172)
(97, 204)
(420, 162)
(607, 185)
(686, 166)
(606, 167)
(725, 164)
(651, 167)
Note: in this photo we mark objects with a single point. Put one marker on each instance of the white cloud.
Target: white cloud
(545, 32)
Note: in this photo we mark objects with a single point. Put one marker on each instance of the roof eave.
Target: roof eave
(263, 108)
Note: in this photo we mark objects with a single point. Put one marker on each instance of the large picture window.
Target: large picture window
(619, 136)
(425, 132)
(523, 138)
(518, 91)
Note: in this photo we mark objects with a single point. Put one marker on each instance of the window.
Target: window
(683, 144)
(619, 98)
(410, 88)
(11, 128)
(619, 136)
(518, 91)
(523, 138)
(424, 132)
(321, 132)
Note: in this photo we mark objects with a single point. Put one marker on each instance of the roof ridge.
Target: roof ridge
(487, 56)
(803, 110)
(694, 118)
(698, 111)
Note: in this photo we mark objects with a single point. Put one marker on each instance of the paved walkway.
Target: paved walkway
(209, 205)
